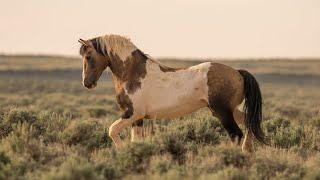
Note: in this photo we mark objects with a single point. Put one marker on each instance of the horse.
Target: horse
(148, 89)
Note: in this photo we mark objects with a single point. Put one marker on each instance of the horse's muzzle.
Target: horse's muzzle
(90, 85)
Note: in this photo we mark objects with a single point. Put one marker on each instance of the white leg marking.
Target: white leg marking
(117, 126)
(137, 133)
(247, 143)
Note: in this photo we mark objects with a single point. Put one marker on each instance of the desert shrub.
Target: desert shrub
(230, 173)
(135, 157)
(272, 125)
(174, 146)
(160, 164)
(276, 163)
(1, 115)
(288, 137)
(282, 134)
(108, 171)
(106, 165)
(202, 131)
(90, 134)
(4, 159)
(232, 156)
(212, 159)
(4, 165)
(53, 124)
(97, 112)
(315, 122)
(74, 168)
(16, 116)
(23, 149)
(209, 131)
(312, 167)
(312, 140)
(64, 111)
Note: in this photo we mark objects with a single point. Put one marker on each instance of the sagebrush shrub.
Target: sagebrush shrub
(90, 134)
(315, 122)
(175, 147)
(15, 116)
(53, 124)
(231, 155)
(282, 134)
(230, 173)
(312, 167)
(97, 112)
(135, 157)
(74, 168)
(273, 162)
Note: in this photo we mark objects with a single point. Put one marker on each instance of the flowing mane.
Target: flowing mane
(114, 44)
(121, 46)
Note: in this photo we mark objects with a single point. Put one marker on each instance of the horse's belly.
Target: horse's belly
(176, 111)
(174, 106)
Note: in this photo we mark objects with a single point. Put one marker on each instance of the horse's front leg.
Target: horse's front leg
(120, 124)
(137, 131)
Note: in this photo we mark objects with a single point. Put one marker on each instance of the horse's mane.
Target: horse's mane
(110, 43)
(120, 45)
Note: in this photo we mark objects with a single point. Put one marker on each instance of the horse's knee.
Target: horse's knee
(112, 132)
(114, 128)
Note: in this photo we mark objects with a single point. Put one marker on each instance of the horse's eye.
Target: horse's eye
(90, 61)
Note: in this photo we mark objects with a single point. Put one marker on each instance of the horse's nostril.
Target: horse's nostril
(87, 85)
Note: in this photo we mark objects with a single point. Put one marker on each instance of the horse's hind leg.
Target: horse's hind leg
(247, 143)
(225, 114)
(137, 131)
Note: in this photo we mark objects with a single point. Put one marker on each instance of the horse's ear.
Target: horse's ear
(83, 42)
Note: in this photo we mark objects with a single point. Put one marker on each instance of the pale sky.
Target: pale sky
(166, 28)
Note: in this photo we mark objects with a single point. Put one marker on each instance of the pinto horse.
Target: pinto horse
(145, 88)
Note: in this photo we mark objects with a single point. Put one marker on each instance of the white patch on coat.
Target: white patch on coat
(240, 107)
(171, 94)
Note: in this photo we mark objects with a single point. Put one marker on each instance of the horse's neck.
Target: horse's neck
(123, 53)
(120, 47)
(130, 69)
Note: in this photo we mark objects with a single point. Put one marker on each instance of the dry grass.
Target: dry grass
(53, 128)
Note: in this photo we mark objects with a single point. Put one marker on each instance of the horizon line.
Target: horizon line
(171, 57)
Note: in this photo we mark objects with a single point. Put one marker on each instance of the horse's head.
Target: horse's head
(94, 62)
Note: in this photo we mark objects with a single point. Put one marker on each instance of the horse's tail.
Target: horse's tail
(253, 105)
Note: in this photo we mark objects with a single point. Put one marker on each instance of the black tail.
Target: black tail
(253, 105)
